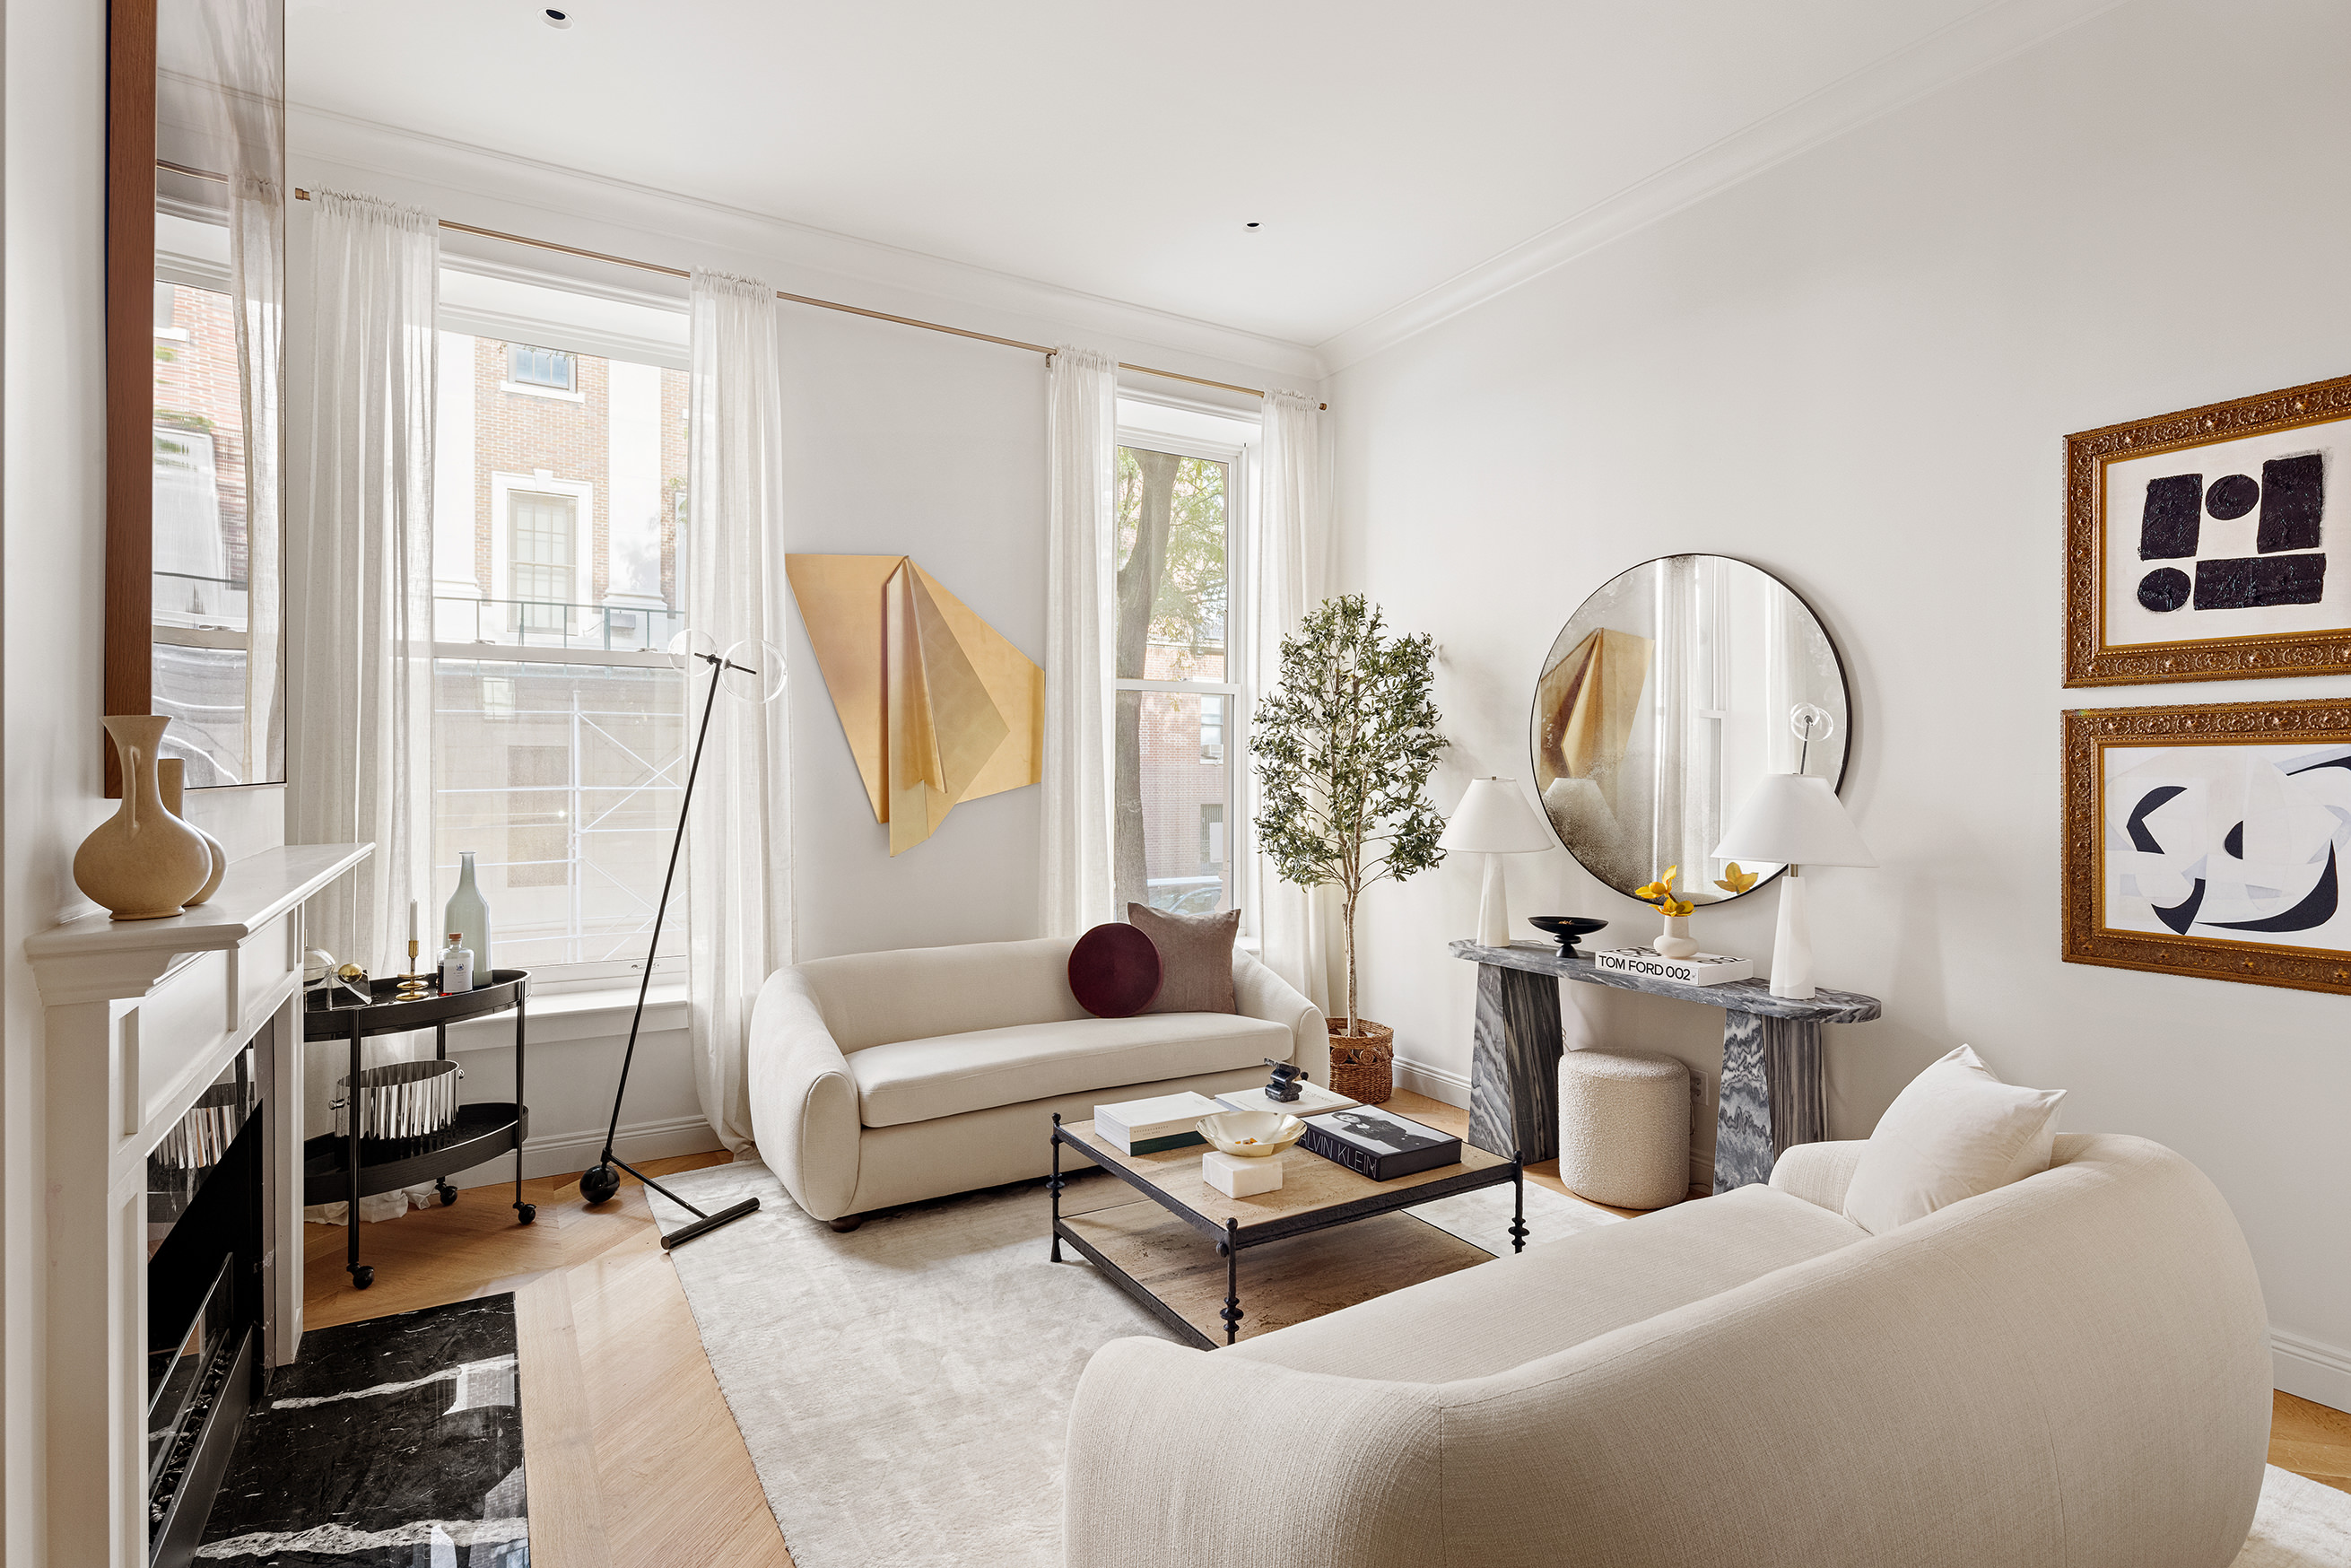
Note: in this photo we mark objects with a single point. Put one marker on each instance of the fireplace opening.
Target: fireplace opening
(203, 1304)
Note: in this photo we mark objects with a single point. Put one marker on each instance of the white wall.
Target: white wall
(899, 441)
(52, 499)
(1855, 370)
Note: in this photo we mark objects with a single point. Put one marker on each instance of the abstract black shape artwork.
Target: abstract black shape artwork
(2181, 915)
(2141, 840)
(2192, 547)
(2260, 581)
(2166, 588)
(2231, 496)
(2294, 499)
(2316, 908)
(2233, 842)
(2173, 517)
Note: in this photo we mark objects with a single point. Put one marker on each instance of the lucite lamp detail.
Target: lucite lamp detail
(1797, 820)
(1493, 820)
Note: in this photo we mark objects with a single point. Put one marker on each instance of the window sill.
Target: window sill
(599, 1014)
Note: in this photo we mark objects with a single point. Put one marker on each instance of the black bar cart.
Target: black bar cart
(480, 1131)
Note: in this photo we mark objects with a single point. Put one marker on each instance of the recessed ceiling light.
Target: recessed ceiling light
(555, 18)
(1256, 226)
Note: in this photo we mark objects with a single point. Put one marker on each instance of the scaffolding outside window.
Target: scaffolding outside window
(560, 730)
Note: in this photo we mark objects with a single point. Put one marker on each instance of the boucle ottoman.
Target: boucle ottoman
(1624, 1127)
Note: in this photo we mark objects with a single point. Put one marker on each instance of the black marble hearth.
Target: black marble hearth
(392, 1443)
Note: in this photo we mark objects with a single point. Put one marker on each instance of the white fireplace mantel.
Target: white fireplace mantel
(140, 1016)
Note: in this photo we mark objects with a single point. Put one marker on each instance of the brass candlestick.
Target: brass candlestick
(414, 987)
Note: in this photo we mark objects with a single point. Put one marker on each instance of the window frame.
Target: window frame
(1240, 480)
(572, 393)
(597, 975)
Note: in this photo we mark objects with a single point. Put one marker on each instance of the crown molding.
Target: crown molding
(1974, 43)
(596, 212)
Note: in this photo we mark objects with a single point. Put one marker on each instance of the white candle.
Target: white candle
(412, 920)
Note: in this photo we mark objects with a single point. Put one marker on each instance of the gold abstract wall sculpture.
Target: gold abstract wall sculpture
(938, 707)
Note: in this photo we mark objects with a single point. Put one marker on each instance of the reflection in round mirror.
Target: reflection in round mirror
(1665, 697)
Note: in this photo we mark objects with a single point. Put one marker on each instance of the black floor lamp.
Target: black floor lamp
(598, 1184)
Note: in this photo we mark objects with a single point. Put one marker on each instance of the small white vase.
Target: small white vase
(1674, 941)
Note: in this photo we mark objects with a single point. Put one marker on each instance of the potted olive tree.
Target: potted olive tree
(1344, 744)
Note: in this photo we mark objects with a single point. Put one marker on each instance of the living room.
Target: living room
(859, 561)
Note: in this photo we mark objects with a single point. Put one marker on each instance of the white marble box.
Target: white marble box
(1235, 1176)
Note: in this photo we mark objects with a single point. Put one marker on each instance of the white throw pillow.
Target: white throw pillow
(1956, 1132)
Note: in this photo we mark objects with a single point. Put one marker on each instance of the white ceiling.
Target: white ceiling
(1118, 149)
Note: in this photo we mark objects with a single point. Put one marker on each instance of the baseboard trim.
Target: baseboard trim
(2309, 1369)
(562, 1154)
(1437, 1082)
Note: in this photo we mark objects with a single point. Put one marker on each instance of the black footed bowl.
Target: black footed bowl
(1566, 927)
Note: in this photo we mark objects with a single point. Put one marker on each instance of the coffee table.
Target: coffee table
(1315, 1194)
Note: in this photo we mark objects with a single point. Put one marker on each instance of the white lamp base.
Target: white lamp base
(1792, 947)
(1494, 907)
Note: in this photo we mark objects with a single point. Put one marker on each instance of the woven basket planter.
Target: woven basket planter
(1363, 1066)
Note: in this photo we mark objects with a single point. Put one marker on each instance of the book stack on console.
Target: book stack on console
(1379, 1144)
(1147, 1126)
(1698, 969)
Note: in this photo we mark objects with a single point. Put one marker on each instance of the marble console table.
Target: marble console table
(1774, 1091)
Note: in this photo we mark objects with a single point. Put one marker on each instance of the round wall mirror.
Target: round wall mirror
(1664, 698)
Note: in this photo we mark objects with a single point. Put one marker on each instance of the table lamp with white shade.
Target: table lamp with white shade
(1494, 820)
(1798, 820)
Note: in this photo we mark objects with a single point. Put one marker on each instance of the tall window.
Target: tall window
(540, 530)
(1180, 697)
(559, 729)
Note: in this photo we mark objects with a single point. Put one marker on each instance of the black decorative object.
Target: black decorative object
(1568, 928)
(387, 1164)
(598, 1184)
(1286, 1080)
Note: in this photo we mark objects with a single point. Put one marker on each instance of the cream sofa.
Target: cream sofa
(2071, 1370)
(886, 1078)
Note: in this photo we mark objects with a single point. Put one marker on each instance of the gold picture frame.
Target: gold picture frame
(2106, 908)
(2100, 619)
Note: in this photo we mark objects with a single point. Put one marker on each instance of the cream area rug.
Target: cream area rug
(2300, 1524)
(904, 1389)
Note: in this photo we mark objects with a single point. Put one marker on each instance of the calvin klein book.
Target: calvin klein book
(1379, 1144)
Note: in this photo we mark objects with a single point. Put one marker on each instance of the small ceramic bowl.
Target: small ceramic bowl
(1252, 1134)
(1567, 928)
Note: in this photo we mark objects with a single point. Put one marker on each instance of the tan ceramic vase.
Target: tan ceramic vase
(170, 772)
(143, 863)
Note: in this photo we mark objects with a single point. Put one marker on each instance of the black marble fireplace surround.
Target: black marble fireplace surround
(393, 1442)
(204, 1215)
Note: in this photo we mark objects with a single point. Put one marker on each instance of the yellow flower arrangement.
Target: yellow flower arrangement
(1735, 882)
(1661, 893)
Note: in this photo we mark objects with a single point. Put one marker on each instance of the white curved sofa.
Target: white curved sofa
(887, 1078)
(2071, 1370)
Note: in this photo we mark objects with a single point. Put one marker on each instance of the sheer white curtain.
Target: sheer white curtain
(360, 665)
(1082, 434)
(1294, 571)
(739, 870)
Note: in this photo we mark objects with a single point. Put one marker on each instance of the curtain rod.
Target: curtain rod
(1045, 349)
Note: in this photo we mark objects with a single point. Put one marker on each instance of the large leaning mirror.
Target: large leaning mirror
(1662, 701)
(196, 371)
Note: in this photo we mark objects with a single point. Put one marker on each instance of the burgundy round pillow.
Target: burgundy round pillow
(1114, 971)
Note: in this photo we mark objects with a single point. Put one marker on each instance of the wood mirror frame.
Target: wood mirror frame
(240, 88)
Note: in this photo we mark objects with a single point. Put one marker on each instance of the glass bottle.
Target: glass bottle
(469, 916)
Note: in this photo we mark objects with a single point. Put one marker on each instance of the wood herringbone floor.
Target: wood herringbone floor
(633, 1458)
